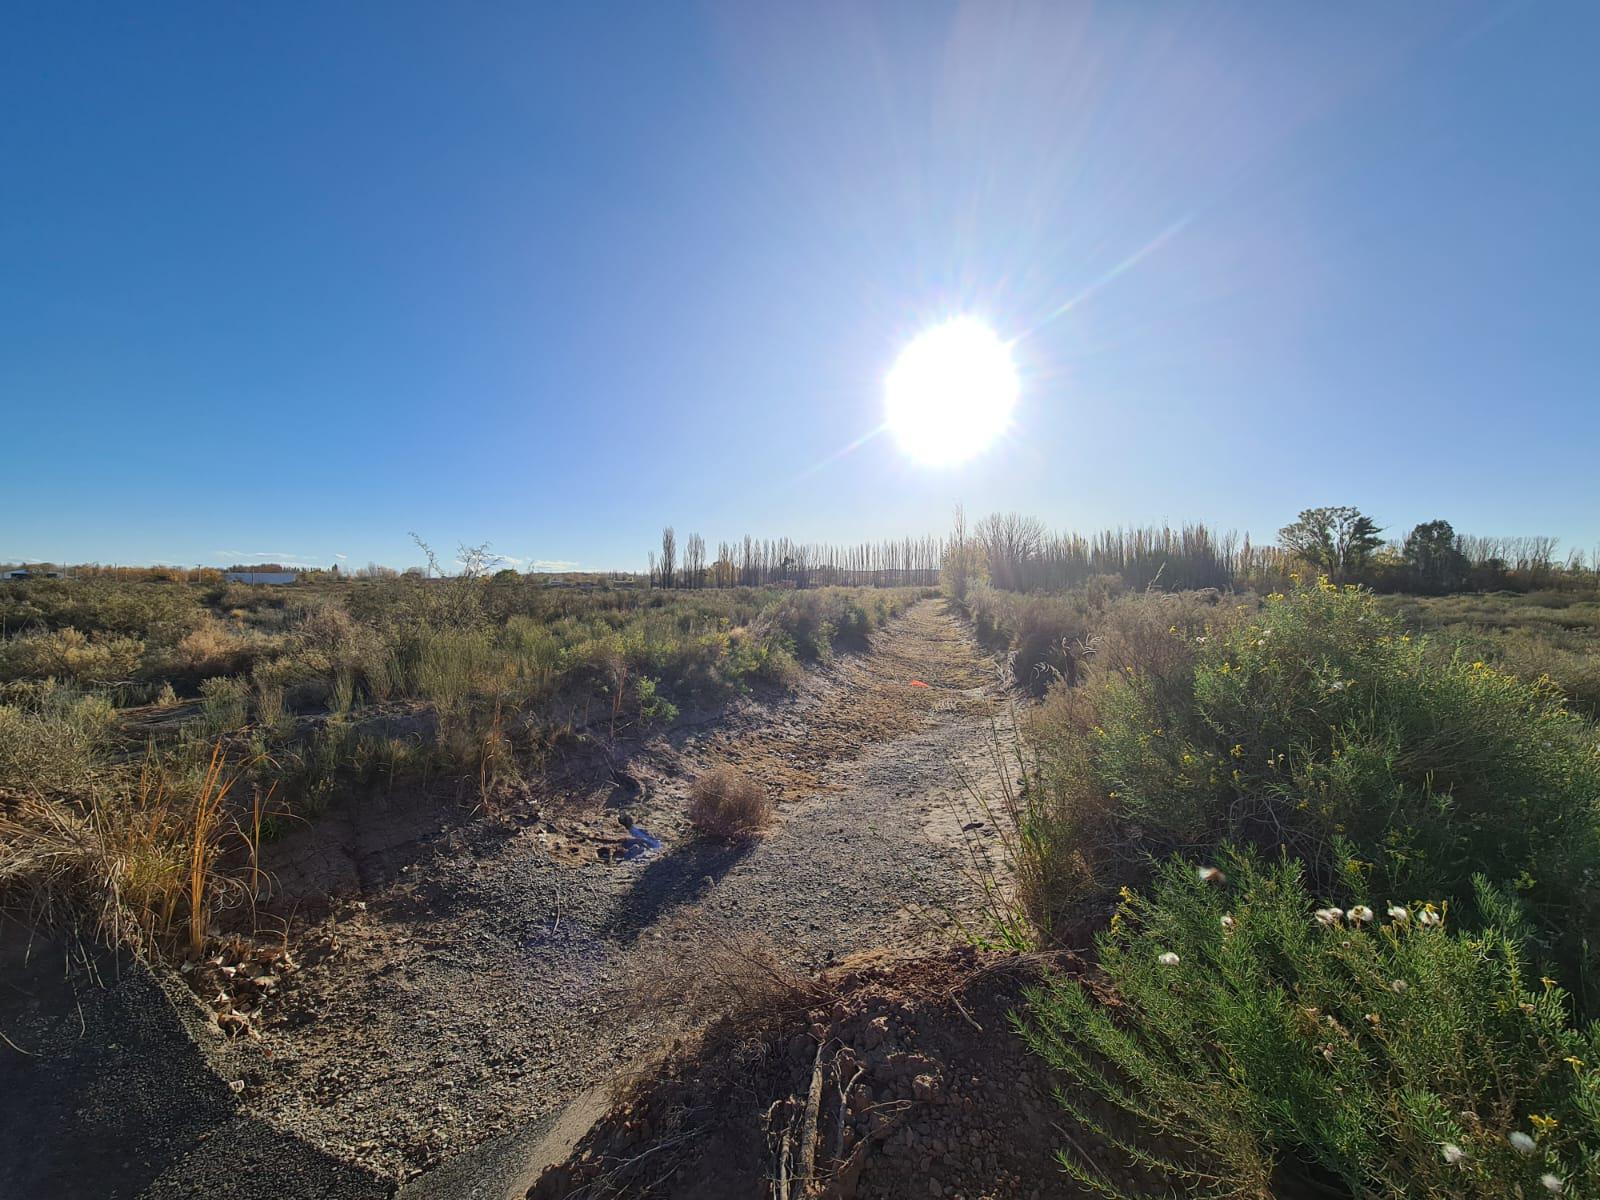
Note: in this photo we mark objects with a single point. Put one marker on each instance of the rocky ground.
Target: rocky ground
(443, 1027)
(889, 1080)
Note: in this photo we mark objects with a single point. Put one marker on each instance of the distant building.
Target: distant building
(24, 573)
(261, 576)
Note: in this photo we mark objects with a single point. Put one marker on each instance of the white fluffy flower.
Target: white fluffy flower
(1428, 917)
(1169, 959)
(1400, 912)
(1452, 1153)
(1521, 1142)
(1227, 921)
(1360, 913)
(1552, 1183)
(1329, 916)
(1398, 986)
(1211, 875)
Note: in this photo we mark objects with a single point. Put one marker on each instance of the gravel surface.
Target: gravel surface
(106, 1091)
(439, 1025)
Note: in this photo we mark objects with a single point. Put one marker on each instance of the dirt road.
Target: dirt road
(457, 1010)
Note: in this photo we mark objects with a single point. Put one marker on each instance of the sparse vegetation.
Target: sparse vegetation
(1198, 704)
(294, 694)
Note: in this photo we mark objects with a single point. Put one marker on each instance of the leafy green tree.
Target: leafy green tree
(1337, 539)
(1437, 565)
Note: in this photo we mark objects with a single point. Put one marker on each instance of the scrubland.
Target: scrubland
(1314, 862)
(1348, 846)
(152, 733)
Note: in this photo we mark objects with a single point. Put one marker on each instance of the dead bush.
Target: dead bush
(212, 648)
(726, 803)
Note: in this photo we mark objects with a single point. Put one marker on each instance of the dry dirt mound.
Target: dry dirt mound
(891, 1080)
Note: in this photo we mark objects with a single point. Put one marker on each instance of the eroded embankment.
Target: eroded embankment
(880, 1081)
(445, 1013)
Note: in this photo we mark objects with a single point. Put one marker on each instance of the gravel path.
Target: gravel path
(455, 1013)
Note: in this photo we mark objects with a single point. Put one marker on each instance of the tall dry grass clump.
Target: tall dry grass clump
(145, 863)
(726, 803)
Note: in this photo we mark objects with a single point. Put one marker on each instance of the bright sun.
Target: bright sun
(951, 392)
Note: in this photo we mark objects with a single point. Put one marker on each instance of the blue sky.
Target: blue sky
(290, 281)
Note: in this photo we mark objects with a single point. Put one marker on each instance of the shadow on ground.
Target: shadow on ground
(104, 1095)
(671, 882)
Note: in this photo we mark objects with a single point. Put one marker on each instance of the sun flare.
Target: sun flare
(951, 392)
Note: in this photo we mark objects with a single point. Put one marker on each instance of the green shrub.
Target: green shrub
(224, 703)
(1554, 635)
(770, 659)
(151, 612)
(54, 748)
(1251, 1034)
(1318, 722)
(652, 705)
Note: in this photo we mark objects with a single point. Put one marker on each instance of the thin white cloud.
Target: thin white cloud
(554, 564)
(342, 557)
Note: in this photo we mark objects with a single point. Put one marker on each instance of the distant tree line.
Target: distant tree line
(1432, 558)
(778, 562)
(1020, 553)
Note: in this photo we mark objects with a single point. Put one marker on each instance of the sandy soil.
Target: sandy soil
(439, 1024)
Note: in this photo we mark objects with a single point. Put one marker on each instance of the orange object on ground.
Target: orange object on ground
(918, 683)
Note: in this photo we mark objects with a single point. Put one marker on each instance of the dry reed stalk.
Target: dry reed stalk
(214, 790)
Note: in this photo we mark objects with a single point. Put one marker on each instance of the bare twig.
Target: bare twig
(836, 1154)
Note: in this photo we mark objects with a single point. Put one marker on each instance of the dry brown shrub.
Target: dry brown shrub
(212, 648)
(329, 628)
(726, 803)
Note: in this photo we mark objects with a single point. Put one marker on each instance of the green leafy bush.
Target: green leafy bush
(652, 705)
(55, 745)
(1316, 725)
(817, 620)
(1385, 1052)
(224, 703)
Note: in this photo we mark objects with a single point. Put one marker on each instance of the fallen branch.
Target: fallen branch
(808, 1129)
